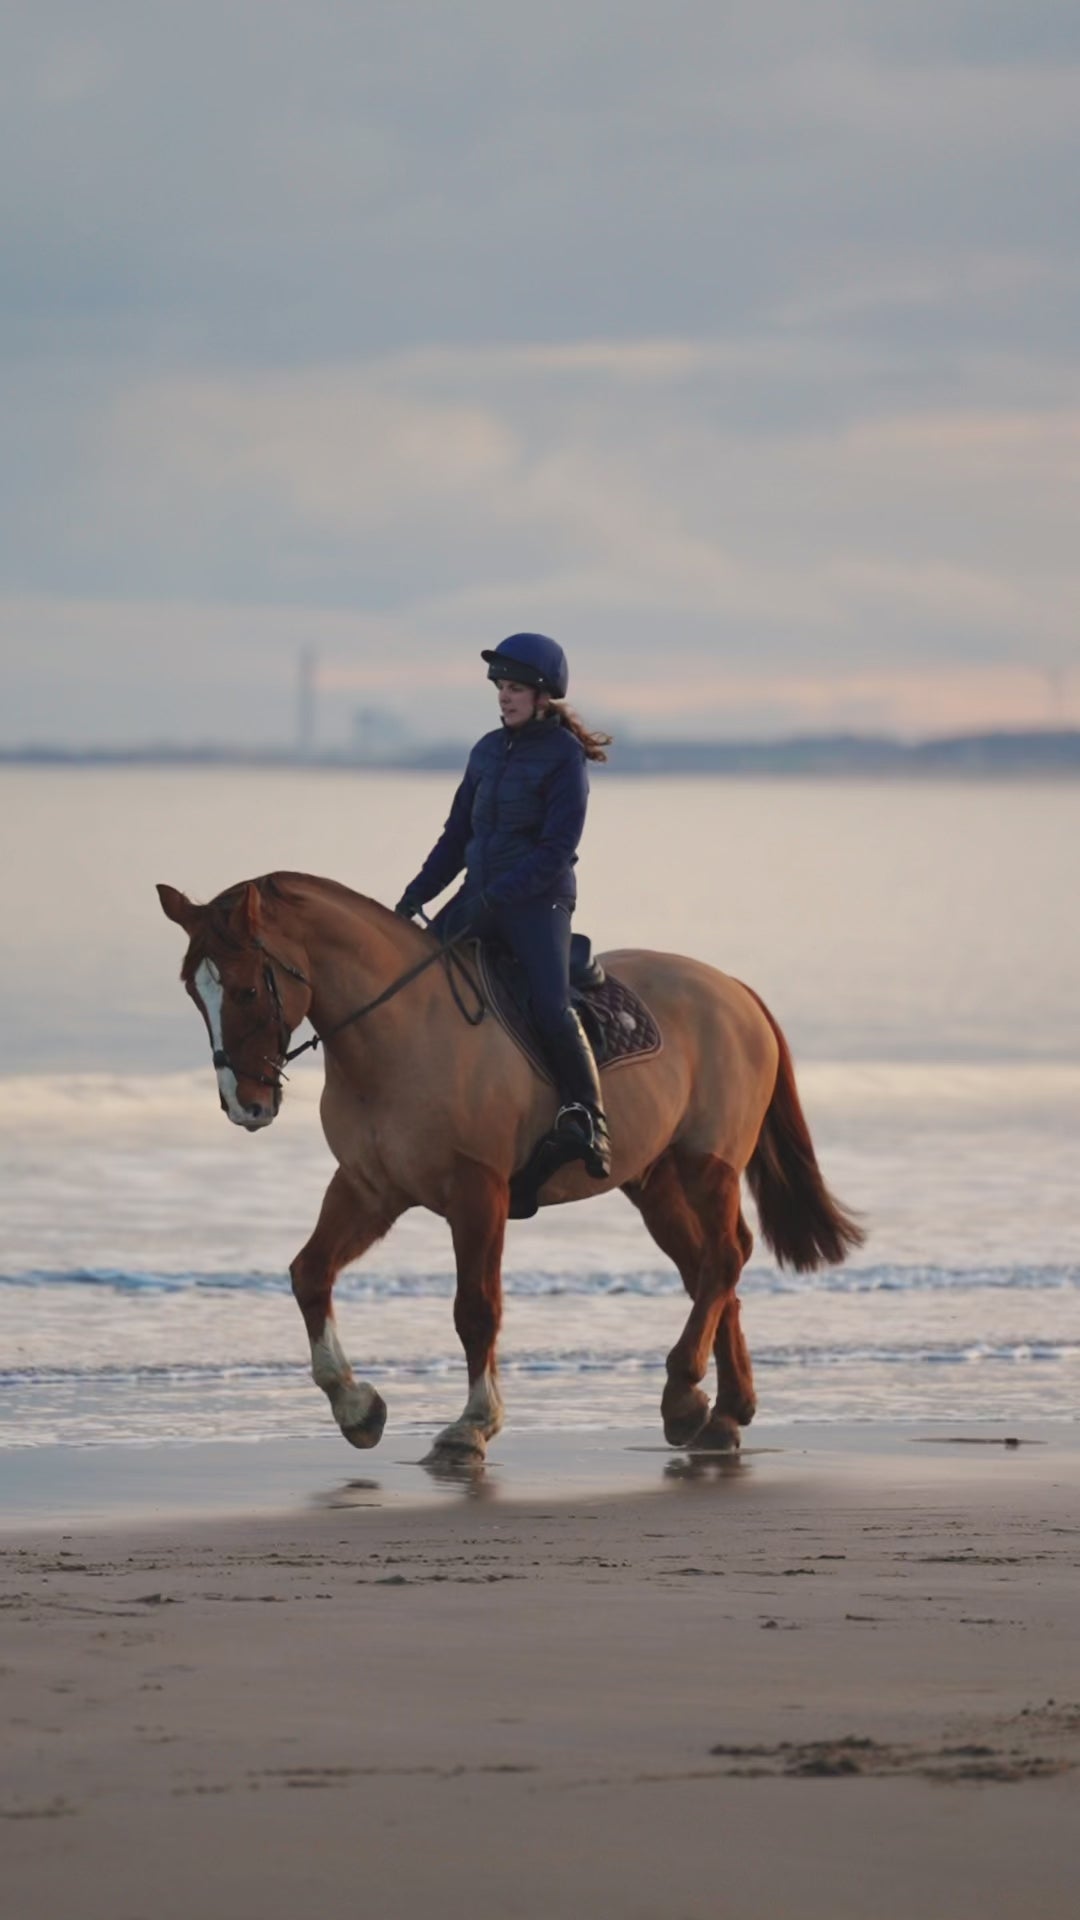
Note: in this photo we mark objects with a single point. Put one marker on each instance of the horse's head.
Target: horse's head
(252, 996)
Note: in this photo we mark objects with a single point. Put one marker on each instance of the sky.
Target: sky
(736, 343)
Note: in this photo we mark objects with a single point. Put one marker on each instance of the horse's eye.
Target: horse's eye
(246, 993)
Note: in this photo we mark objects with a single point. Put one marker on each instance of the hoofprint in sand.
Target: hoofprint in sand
(800, 1684)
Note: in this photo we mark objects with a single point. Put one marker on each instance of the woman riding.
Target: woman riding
(514, 826)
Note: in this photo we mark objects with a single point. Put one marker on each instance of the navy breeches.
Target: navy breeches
(538, 934)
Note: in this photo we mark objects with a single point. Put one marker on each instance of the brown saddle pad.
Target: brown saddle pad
(616, 1019)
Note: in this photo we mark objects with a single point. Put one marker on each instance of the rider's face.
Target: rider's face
(517, 704)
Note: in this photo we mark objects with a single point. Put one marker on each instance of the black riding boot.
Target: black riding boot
(581, 1108)
(580, 1131)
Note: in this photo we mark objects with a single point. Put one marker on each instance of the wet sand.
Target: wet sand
(839, 1678)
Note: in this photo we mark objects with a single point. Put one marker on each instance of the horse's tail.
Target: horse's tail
(802, 1222)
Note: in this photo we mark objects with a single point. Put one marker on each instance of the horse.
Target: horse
(424, 1108)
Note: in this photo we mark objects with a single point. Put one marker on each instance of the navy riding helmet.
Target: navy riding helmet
(532, 659)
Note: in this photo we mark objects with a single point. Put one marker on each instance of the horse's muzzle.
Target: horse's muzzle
(253, 1112)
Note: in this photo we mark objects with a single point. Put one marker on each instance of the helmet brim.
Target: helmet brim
(501, 668)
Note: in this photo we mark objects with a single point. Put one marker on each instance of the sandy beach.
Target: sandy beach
(838, 1678)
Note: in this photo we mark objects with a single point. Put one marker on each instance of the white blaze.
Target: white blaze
(212, 994)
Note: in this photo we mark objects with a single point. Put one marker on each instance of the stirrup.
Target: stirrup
(571, 1111)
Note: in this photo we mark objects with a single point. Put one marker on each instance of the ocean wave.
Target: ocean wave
(541, 1285)
(578, 1361)
(173, 1095)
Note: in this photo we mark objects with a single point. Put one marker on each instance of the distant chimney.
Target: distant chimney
(307, 678)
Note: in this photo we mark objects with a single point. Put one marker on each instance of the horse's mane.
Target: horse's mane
(289, 888)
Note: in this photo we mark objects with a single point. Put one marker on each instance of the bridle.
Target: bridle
(445, 953)
(273, 1079)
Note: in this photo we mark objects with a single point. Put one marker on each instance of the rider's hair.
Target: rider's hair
(593, 743)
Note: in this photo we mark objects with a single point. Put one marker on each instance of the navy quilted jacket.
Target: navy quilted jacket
(516, 820)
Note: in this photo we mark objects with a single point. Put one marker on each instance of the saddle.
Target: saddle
(619, 1025)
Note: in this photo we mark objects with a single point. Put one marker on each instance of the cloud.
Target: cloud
(350, 177)
(423, 476)
(740, 338)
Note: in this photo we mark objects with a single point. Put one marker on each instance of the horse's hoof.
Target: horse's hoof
(720, 1434)
(368, 1432)
(456, 1470)
(684, 1415)
(457, 1446)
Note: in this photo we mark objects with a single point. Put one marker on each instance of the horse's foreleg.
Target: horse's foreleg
(349, 1223)
(711, 1189)
(477, 1215)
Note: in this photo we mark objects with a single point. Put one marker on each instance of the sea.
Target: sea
(918, 942)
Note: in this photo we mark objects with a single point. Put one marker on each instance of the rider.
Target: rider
(514, 825)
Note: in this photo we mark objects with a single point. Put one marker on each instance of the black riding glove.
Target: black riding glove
(409, 905)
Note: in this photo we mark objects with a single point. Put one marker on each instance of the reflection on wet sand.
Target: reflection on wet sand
(704, 1466)
(479, 1480)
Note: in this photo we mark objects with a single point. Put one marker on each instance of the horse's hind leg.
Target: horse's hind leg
(711, 1189)
(350, 1221)
(477, 1211)
(677, 1229)
(735, 1404)
(663, 1205)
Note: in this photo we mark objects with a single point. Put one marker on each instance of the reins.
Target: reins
(444, 953)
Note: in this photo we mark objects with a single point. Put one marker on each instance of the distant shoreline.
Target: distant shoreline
(1043, 754)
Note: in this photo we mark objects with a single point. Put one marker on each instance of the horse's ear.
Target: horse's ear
(247, 913)
(176, 906)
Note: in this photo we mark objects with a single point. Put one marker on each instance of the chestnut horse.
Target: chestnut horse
(422, 1109)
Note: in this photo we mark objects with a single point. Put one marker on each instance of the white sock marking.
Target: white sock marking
(483, 1408)
(352, 1400)
(329, 1367)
